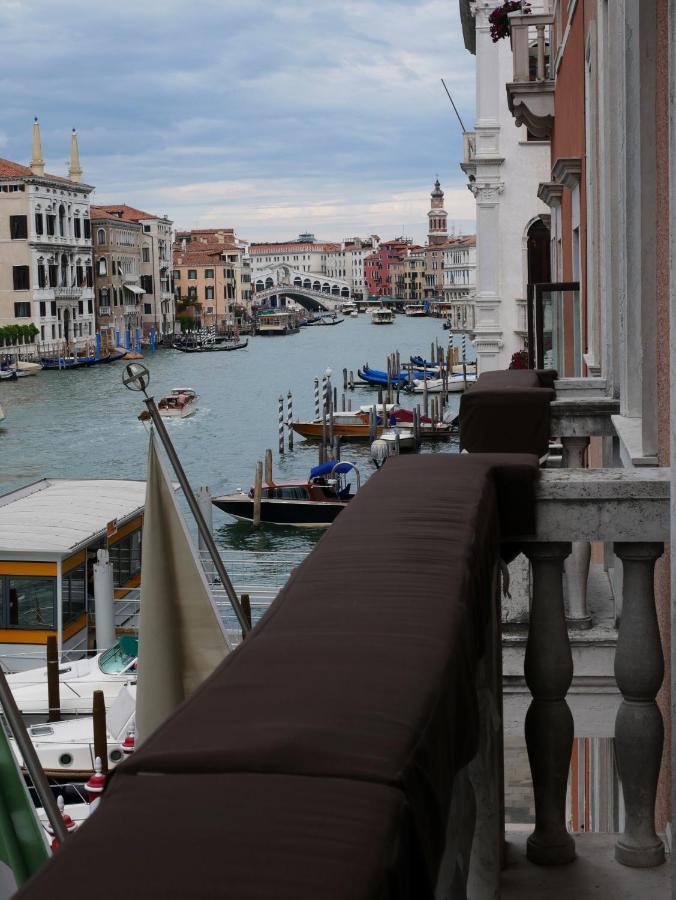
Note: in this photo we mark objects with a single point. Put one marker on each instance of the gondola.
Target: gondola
(210, 346)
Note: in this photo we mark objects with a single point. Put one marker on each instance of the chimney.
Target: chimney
(74, 171)
(37, 162)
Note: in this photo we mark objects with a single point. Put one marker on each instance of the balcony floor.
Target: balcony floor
(593, 876)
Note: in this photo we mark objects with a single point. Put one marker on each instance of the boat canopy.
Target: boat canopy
(331, 467)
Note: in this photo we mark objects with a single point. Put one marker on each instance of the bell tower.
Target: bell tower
(437, 230)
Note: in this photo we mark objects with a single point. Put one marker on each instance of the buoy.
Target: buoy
(379, 452)
(96, 785)
(129, 744)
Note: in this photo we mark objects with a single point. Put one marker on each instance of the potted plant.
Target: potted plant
(499, 18)
(519, 360)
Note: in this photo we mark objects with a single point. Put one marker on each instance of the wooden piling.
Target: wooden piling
(342, 402)
(268, 466)
(336, 453)
(317, 409)
(426, 402)
(280, 423)
(344, 379)
(372, 424)
(258, 490)
(100, 730)
(245, 601)
(53, 700)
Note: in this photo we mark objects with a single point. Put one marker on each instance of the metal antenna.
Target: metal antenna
(455, 109)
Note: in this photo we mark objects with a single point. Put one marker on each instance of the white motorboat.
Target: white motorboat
(382, 316)
(66, 749)
(179, 403)
(354, 314)
(107, 672)
(456, 384)
(415, 309)
(403, 438)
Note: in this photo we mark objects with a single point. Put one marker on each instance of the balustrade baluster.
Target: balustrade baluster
(541, 52)
(577, 564)
(639, 730)
(549, 723)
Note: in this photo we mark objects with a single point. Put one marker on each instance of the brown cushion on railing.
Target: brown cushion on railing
(240, 837)
(499, 415)
(508, 378)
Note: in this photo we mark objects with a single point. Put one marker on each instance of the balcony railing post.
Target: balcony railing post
(541, 52)
(639, 730)
(577, 564)
(549, 722)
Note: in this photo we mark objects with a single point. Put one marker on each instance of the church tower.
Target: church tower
(437, 231)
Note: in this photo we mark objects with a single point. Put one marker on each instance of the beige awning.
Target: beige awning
(134, 288)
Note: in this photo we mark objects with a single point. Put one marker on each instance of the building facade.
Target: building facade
(46, 277)
(212, 269)
(504, 164)
(117, 277)
(159, 312)
(377, 266)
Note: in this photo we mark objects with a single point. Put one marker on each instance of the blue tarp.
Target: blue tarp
(328, 467)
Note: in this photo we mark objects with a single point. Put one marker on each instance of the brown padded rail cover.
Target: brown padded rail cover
(507, 412)
(335, 731)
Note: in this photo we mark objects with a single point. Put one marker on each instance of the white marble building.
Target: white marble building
(504, 165)
(46, 249)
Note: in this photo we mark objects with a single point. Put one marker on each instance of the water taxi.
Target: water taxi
(50, 533)
(273, 322)
(415, 309)
(382, 316)
(179, 403)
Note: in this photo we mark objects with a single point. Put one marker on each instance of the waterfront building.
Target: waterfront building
(213, 270)
(377, 265)
(346, 262)
(159, 312)
(459, 281)
(303, 255)
(119, 296)
(504, 165)
(415, 263)
(46, 277)
(46, 560)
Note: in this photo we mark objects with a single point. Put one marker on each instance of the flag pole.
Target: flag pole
(30, 759)
(202, 527)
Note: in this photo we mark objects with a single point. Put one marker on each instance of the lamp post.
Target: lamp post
(137, 378)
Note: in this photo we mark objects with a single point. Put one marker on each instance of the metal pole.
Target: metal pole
(197, 513)
(30, 760)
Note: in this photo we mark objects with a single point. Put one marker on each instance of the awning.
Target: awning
(134, 288)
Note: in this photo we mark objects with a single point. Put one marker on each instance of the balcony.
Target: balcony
(468, 164)
(104, 310)
(530, 95)
(69, 294)
(393, 751)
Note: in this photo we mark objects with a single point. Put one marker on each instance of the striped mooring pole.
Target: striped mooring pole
(289, 418)
(317, 409)
(281, 424)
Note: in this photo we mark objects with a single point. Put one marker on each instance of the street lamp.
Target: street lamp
(137, 378)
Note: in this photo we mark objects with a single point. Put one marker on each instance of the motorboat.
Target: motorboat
(415, 309)
(209, 345)
(382, 316)
(457, 383)
(355, 426)
(107, 671)
(401, 438)
(66, 749)
(178, 404)
(313, 503)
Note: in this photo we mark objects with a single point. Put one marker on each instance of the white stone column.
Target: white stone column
(639, 730)
(577, 564)
(104, 602)
(549, 722)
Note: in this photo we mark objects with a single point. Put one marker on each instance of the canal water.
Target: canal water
(83, 423)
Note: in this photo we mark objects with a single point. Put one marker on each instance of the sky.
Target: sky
(274, 118)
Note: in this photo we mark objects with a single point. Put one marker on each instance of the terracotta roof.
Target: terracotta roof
(199, 255)
(9, 169)
(290, 247)
(102, 212)
(127, 213)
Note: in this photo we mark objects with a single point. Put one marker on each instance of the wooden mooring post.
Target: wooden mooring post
(280, 424)
(100, 730)
(268, 466)
(53, 699)
(289, 419)
(246, 607)
(258, 490)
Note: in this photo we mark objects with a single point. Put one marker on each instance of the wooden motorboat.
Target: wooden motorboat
(178, 404)
(313, 503)
(456, 384)
(354, 426)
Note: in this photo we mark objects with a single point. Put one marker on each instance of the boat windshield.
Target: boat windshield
(286, 492)
(120, 656)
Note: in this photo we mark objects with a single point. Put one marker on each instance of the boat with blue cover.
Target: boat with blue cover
(312, 503)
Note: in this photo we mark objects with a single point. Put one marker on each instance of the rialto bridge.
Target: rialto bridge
(275, 286)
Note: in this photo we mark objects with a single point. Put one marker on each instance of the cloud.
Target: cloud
(271, 116)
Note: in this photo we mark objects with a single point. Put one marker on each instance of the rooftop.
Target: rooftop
(9, 169)
(126, 213)
(56, 516)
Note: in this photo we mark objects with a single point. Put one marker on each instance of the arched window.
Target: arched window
(103, 266)
(298, 282)
(62, 220)
(326, 288)
(335, 289)
(269, 282)
(260, 286)
(307, 284)
(100, 236)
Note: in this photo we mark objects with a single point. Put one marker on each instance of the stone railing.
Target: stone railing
(68, 293)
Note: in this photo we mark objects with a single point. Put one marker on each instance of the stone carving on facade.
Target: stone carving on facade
(487, 192)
